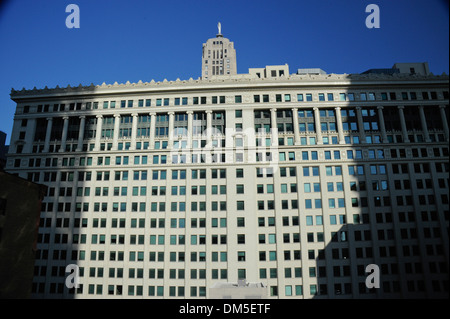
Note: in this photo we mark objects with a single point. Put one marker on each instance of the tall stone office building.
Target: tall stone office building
(296, 181)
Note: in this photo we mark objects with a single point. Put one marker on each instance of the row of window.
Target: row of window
(380, 169)
(200, 291)
(283, 116)
(201, 206)
(284, 124)
(221, 189)
(308, 97)
(342, 236)
(269, 188)
(336, 253)
(380, 218)
(282, 141)
(282, 156)
(401, 200)
(272, 255)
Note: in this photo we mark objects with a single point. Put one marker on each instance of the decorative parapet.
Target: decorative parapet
(243, 79)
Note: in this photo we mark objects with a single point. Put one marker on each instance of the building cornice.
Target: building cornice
(230, 82)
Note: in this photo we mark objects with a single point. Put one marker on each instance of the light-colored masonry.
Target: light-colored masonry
(296, 181)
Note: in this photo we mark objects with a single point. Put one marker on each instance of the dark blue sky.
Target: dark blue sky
(145, 39)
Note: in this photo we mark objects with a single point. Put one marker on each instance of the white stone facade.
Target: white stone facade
(163, 189)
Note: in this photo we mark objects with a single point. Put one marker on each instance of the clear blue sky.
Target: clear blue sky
(136, 40)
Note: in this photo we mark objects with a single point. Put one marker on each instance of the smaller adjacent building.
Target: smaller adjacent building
(420, 68)
(241, 290)
(20, 206)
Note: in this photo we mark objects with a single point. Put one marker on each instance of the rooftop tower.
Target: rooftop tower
(218, 57)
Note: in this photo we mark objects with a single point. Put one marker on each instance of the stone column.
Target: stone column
(403, 123)
(135, 118)
(189, 129)
(171, 129)
(116, 132)
(444, 121)
(423, 121)
(209, 128)
(64, 134)
(295, 123)
(81, 133)
(98, 132)
(340, 129)
(152, 129)
(382, 126)
(273, 127)
(317, 125)
(48, 134)
(29, 135)
(187, 151)
(362, 133)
